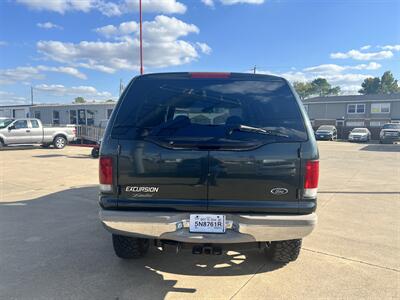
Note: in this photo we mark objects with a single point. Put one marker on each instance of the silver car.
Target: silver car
(359, 135)
(31, 131)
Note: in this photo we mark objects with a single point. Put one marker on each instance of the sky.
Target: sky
(70, 48)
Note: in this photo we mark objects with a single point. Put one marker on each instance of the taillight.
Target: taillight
(311, 179)
(105, 173)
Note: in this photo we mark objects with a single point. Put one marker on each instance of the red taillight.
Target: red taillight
(105, 170)
(312, 174)
(209, 75)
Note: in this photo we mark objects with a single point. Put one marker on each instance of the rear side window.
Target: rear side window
(207, 107)
(35, 124)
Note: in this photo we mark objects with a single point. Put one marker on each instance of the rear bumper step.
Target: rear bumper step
(240, 228)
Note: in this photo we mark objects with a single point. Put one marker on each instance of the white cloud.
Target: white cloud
(162, 45)
(19, 74)
(231, 2)
(208, 2)
(3, 43)
(357, 55)
(27, 74)
(108, 8)
(333, 68)
(156, 6)
(61, 90)
(211, 3)
(7, 98)
(66, 70)
(391, 47)
(161, 28)
(60, 6)
(204, 48)
(48, 25)
(366, 47)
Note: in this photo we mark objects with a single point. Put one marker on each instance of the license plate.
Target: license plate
(207, 223)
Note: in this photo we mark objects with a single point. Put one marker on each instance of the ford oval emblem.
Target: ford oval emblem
(279, 191)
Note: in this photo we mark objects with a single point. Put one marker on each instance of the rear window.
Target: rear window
(391, 126)
(325, 127)
(359, 130)
(205, 108)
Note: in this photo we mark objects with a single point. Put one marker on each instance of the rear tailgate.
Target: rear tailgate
(154, 177)
(263, 180)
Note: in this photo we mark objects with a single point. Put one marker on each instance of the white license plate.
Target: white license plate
(207, 223)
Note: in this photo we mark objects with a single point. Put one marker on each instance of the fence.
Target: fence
(89, 133)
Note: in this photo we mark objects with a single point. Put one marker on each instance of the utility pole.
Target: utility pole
(31, 95)
(141, 41)
(121, 87)
(254, 69)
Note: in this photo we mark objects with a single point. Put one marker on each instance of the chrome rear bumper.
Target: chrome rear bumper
(240, 228)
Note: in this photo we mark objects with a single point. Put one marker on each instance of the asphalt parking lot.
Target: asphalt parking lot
(52, 244)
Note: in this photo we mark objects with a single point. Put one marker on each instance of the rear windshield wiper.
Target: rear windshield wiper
(246, 128)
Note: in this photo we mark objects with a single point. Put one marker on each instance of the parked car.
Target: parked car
(209, 161)
(359, 135)
(326, 132)
(390, 133)
(31, 131)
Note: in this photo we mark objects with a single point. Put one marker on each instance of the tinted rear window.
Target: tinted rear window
(391, 126)
(206, 107)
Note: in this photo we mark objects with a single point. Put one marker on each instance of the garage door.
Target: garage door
(19, 113)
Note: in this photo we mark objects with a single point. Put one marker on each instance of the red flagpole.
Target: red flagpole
(141, 43)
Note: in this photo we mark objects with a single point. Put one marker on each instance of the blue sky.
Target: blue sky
(70, 48)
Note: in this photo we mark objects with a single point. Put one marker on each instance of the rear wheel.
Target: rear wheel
(60, 142)
(285, 251)
(95, 153)
(129, 247)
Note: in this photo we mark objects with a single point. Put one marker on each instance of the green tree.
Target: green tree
(110, 100)
(322, 87)
(334, 91)
(388, 84)
(384, 85)
(371, 85)
(79, 100)
(303, 89)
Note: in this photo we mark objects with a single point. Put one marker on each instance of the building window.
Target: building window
(380, 108)
(81, 117)
(356, 108)
(355, 123)
(109, 112)
(89, 117)
(56, 117)
(73, 117)
(36, 114)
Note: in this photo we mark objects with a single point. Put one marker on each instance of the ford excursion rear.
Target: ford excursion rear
(210, 161)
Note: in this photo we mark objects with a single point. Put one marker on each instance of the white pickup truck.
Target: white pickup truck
(31, 131)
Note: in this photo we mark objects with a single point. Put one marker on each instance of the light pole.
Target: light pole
(141, 42)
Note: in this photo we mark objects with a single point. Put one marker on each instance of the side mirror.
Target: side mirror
(11, 127)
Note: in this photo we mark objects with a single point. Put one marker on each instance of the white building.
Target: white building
(15, 111)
